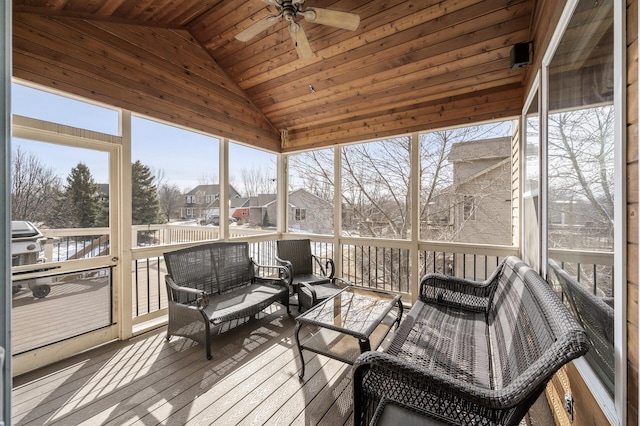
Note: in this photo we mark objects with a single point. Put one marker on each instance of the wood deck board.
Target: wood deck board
(252, 379)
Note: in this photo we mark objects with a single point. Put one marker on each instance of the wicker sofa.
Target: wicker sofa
(471, 352)
(210, 284)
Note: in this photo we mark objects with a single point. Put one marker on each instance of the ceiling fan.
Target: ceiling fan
(292, 10)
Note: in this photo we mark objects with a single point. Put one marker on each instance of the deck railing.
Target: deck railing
(377, 266)
(594, 269)
(371, 263)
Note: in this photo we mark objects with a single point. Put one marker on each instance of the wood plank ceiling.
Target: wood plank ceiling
(411, 65)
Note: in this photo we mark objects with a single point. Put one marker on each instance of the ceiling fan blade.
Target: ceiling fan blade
(333, 18)
(300, 41)
(255, 29)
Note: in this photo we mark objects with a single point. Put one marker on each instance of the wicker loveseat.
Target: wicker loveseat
(210, 284)
(471, 352)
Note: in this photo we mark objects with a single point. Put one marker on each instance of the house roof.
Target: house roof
(296, 199)
(212, 189)
(264, 199)
(240, 212)
(239, 202)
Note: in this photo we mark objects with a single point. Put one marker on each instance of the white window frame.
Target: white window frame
(300, 214)
(614, 410)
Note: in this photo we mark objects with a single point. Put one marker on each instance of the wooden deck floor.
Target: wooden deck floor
(252, 380)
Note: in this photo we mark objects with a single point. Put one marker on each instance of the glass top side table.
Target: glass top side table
(352, 322)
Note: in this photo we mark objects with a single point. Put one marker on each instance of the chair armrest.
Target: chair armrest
(280, 275)
(287, 264)
(460, 292)
(328, 269)
(201, 297)
(342, 282)
(378, 376)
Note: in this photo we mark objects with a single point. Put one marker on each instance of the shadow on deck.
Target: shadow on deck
(252, 379)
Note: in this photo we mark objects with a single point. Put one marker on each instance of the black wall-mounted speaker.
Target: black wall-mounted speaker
(520, 55)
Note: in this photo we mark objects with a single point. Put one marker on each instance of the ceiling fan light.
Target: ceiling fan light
(333, 18)
(309, 14)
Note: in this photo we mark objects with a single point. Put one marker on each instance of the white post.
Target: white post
(415, 216)
(223, 184)
(5, 229)
(121, 225)
(282, 224)
(337, 209)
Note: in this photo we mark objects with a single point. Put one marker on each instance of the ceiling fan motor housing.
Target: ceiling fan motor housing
(288, 10)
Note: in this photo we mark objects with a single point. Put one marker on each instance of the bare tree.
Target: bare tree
(34, 188)
(376, 179)
(581, 154)
(375, 187)
(170, 198)
(581, 168)
(314, 172)
(208, 179)
(375, 195)
(159, 176)
(257, 181)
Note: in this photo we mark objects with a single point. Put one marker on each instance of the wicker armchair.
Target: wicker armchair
(311, 287)
(471, 352)
(596, 315)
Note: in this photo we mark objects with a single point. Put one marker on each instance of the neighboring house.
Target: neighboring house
(258, 214)
(239, 209)
(475, 208)
(241, 215)
(306, 212)
(202, 202)
(103, 193)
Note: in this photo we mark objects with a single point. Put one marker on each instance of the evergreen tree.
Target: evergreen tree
(81, 197)
(103, 215)
(145, 208)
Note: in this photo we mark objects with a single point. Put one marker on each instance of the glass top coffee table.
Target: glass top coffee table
(350, 323)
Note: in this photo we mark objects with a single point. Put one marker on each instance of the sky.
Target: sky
(180, 157)
(185, 158)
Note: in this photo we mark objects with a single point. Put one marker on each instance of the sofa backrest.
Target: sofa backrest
(214, 268)
(233, 264)
(529, 326)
